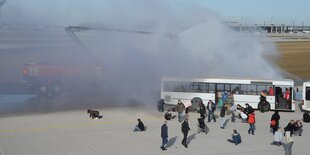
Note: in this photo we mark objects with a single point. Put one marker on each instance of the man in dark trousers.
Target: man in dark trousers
(274, 122)
(211, 108)
(164, 135)
(185, 128)
(222, 115)
(202, 110)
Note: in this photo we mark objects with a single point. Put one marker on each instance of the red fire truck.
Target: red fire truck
(50, 80)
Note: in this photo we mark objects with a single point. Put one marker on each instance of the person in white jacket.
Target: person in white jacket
(278, 137)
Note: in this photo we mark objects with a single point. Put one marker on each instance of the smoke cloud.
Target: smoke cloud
(187, 41)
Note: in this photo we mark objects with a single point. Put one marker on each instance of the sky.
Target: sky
(245, 11)
(260, 11)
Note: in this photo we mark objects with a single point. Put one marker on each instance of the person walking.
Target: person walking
(180, 109)
(211, 108)
(222, 115)
(289, 144)
(202, 110)
(251, 121)
(185, 128)
(232, 109)
(164, 135)
(274, 124)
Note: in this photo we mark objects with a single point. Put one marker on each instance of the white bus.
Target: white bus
(279, 92)
(306, 96)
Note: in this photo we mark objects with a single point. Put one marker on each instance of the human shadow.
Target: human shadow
(300, 108)
(171, 141)
(226, 122)
(190, 138)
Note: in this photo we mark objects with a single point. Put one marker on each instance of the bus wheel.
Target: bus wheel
(263, 106)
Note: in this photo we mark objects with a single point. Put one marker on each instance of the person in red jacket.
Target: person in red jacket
(251, 121)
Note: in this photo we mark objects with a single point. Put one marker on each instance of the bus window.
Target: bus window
(179, 87)
(169, 86)
(203, 87)
(195, 87)
(235, 88)
(308, 93)
(227, 87)
(199, 87)
(211, 87)
(262, 88)
(220, 87)
(242, 89)
(185, 86)
(251, 90)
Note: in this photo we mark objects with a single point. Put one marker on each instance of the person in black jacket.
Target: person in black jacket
(248, 109)
(202, 110)
(185, 128)
(164, 135)
(140, 126)
(211, 108)
(290, 127)
(275, 117)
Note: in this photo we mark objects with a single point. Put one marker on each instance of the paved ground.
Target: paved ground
(72, 132)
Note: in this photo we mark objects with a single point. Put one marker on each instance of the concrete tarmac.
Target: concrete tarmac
(72, 132)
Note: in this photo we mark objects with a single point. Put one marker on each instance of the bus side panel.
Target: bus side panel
(173, 97)
(243, 99)
(306, 96)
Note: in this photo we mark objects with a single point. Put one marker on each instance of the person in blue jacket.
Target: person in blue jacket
(236, 138)
(164, 135)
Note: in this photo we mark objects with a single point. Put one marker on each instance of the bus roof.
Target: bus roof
(233, 80)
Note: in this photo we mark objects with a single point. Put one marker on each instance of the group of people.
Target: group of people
(246, 114)
(292, 128)
(180, 109)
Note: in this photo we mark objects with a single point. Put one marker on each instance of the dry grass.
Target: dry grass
(295, 57)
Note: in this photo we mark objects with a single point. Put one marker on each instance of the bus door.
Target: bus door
(306, 97)
(283, 97)
(220, 89)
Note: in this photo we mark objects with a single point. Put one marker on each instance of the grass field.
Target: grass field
(295, 57)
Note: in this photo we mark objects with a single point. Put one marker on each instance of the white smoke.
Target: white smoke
(188, 40)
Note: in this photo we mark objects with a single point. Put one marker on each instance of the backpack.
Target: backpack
(272, 123)
(306, 117)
